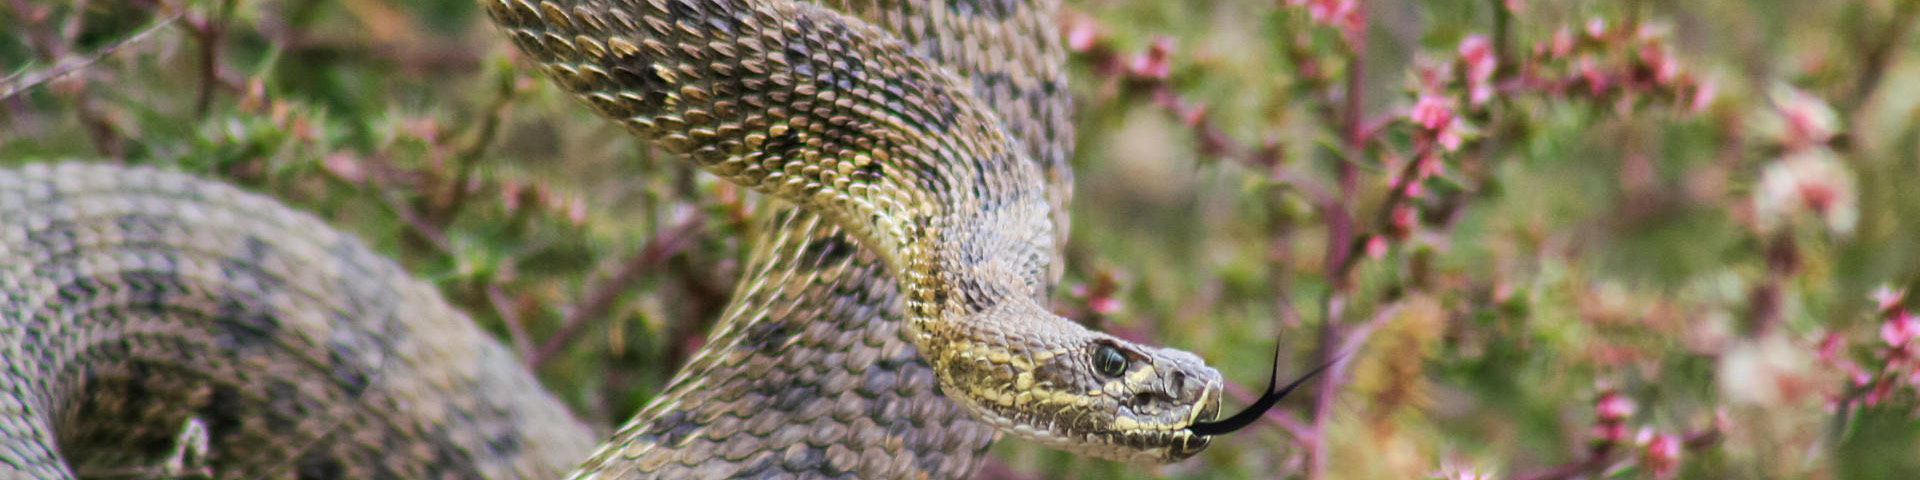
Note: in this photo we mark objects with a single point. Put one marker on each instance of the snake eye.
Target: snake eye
(1109, 361)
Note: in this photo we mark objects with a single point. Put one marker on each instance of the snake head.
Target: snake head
(1086, 392)
(1142, 400)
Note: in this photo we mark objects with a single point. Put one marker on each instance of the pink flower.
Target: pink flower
(1082, 33)
(1478, 93)
(1435, 113)
(1377, 247)
(1432, 77)
(1345, 15)
(1665, 67)
(1430, 165)
(1154, 62)
(1808, 183)
(1830, 346)
(1432, 112)
(1192, 115)
(1609, 433)
(1898, 329)
(1562, 42)
(1477, 52)
(1809, 121)
(577, 210)
(1450, 139)
(1888, 297)
(1596, 80)
(1661, 453)
(1596, 28)
(1104, 305)
(1879, 392)
(345, 166)
(1402, 217)
(1415, 187)
(1613, 407)
(1703, 95)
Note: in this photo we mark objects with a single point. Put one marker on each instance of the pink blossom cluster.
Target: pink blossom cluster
(1612, 62)
(1147, 71)
(1611, 412)
(1660, 452)
(1098, 297)
(1897, 360)
(1438, 125)
(1657, 451)
(1348, 16)
(1602, 61)
(1437, 110)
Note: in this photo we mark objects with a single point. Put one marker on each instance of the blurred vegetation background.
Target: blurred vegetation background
(1566, 239)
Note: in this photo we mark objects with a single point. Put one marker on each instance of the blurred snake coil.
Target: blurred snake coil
(890, 322)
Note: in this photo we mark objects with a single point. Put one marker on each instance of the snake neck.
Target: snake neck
(986, 251)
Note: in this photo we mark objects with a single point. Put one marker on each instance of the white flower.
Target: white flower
(1809, 182)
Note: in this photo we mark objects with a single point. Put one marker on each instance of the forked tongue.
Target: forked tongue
(1260, 407)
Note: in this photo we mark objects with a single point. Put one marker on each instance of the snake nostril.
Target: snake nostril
(1142, 398)
(1179, 382)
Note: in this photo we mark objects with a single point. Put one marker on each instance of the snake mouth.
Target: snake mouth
(1187, 446)
(1208, 408)
(1186, 443)
(1259, 407)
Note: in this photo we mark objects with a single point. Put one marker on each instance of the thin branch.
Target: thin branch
(1502, 30)
(209, 31)
(469, 157)
(27, 80)
(510, 314)
(387, 183)
(602, 296)
(1210, 139)
(53, 48)
(1880, 53)
(1340, 238)
(422, 227)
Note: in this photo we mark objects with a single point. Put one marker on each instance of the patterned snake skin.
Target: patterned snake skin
(890, 322)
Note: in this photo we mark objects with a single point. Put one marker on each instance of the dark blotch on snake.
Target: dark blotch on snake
(768, 336)
(241, 326)
(827, 251)
(317, 465)
(222, 410)
(992, 10)
(349, 375)
(672, 429)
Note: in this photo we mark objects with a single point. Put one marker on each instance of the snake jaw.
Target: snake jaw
(1186, 443)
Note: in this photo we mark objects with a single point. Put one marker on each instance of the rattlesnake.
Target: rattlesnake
(890, 322)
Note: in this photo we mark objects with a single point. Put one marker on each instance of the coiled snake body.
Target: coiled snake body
(889, 324)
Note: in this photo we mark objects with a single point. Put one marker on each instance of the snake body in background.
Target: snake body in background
(890, 322)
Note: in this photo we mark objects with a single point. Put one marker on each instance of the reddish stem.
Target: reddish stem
(601, 298)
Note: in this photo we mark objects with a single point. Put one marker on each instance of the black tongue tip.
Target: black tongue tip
(1259, 407)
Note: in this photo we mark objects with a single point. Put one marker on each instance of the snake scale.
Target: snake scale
(890, 322)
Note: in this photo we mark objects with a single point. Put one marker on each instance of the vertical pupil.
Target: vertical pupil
(1110, 362)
